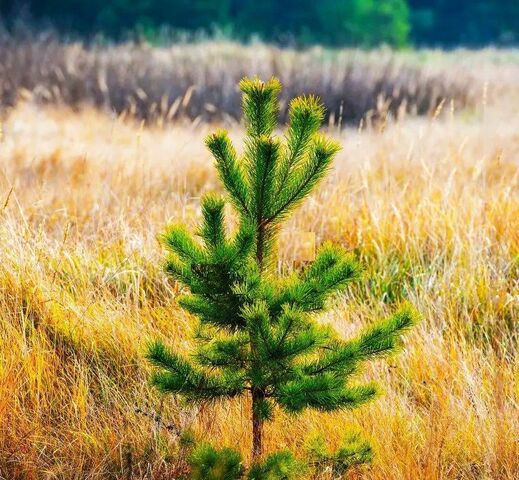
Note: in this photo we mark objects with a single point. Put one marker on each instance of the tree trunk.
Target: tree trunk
(258, 395)
(257, 427)
(260, 240)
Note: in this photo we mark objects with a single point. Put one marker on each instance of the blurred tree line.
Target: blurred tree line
(331, 22)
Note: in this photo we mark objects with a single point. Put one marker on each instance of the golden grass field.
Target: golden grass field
(430, 205)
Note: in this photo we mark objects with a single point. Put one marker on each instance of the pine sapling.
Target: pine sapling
(258, 330)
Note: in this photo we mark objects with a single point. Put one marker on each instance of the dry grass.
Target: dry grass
(431, 206)
(198, 81)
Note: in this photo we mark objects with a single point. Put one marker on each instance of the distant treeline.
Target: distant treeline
(298, 22)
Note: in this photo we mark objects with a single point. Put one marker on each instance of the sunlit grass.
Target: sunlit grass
(430, 206)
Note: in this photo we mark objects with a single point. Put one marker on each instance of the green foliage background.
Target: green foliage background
(364, 23)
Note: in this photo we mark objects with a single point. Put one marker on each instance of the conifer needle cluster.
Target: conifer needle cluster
(258, 330)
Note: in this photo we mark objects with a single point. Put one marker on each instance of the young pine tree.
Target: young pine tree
(258, 332)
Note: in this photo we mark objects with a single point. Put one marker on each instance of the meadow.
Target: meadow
(198, 80)
(429, 204)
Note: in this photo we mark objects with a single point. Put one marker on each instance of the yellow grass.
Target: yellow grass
(431, 206)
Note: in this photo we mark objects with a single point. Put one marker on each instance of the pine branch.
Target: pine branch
(381, 339)
(225, 352)
(311, 172)
(219, 310)
(229, 170)
(179, 270)
(262, 156)
(385, 337)
(243, 243)
(179, 376)
(213, 228)
(341, 358)
(260, 105)
(180, 242)
(333, 270)
(324, 392)
(305, 117)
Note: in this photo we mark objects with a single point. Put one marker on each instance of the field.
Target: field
(429, 204)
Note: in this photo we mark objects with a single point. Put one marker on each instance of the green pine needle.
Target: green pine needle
(260, 105)
(257, 332)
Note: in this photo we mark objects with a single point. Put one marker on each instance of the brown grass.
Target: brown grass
(198, 81)
(431, 206)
